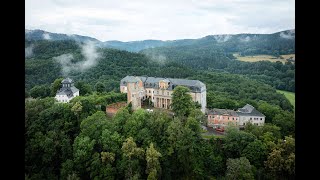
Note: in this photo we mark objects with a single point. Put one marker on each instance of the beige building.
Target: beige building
(220, 118)
(250, 114)
(159, 90)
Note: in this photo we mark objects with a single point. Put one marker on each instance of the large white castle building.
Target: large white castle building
(159, 90)
(67, 92)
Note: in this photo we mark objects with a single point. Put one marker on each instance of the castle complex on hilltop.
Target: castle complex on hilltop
(159, 90)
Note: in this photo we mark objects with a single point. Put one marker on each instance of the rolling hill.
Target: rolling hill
(44, 35)
(210, 53)
(246, 44)
(43, 68)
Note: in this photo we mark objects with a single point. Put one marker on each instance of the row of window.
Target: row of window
(210, 123)
(149, 97)
(253, 123)
(66, 85)
(250, 118)
(158, 92)
(256, 119)
(221, 117)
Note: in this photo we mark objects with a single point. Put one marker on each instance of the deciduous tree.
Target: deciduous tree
(239, 168)
(153, 164)
(55, 86)
(182, 103)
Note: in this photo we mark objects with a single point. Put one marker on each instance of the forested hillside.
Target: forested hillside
(246, 44)
(77, 140)
(215, 58)
(113, 65)
(38, 34)
(211, 53)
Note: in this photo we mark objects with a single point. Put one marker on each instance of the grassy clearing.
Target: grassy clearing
(263, 58)
(289, 56)
(289, 95)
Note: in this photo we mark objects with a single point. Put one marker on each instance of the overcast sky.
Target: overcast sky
(128, 20)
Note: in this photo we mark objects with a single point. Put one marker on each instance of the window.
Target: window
(261, 119)
(152, 97)
(232, 118)
(153, 92)
(149, 91)
(157, 92)
(168, 93)
(250, 118)
(244, 123)
(132, 95)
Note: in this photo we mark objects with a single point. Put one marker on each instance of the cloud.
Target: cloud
(127, 20)
(66, 64)
(245, 39)
(91, 56)
(288, 34)
(159, 58)
(29, 51)
(46, 36)
(222, 38)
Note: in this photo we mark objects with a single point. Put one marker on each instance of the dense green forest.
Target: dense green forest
(214, 58)
(43, 69)
(246, 44)
(77, 140)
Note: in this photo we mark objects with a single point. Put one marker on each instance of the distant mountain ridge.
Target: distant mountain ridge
(228, 42)
(246, 44)
(44, 35)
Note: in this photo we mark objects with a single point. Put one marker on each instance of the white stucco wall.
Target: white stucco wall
(62, 98)
(203, 101)
(76, 94)
(246, 119)
(123, 89)
(151, 94)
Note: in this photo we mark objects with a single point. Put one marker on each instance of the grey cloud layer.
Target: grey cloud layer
(127, 20)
